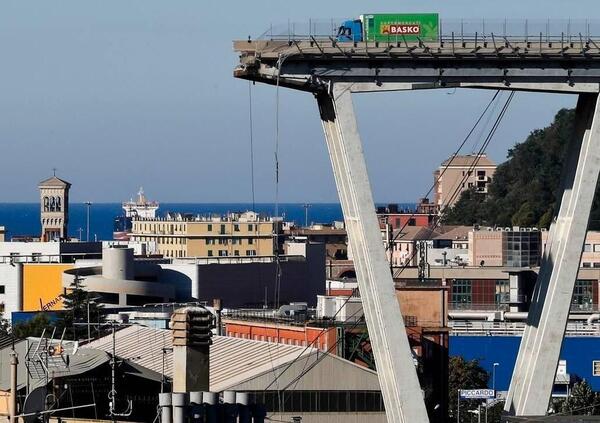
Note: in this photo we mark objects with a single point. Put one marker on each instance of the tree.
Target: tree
(524, 189)
(33, 327)
(75, 316)
(582, 400)
(463, 374)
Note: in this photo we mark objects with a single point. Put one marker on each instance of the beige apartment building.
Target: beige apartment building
(236, 234)
(462, 173)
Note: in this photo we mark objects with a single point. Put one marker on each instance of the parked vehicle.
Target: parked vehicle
(391, 27)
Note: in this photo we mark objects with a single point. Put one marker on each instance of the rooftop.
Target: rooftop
(232, 360)
(54, 182)
(412, 233)
(468, 160)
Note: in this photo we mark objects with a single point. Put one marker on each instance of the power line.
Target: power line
(457, 191)
(350, 296)
(449, 162)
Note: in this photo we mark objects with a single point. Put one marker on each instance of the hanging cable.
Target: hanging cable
(251, 123)
(310, 344)
(449, 162)
(458, 189)
(488, 139)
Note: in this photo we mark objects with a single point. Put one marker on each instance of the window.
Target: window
(481, 173)
(586, 264)
(222, 232)
(596, 248)
(222, 253)
(596, 265)
(587, 248)
(583, 295)
(502, 291)
(236, 227)
(250, 241)
(236, 252)
(461, 296)
(250, 252)
(209, 228)
(250, 228)
(2, 289)
(210, 253)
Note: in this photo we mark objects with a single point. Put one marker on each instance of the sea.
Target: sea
(24, 218)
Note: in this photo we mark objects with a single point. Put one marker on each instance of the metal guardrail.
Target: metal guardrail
(458, 30)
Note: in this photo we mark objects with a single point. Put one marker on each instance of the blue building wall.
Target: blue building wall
(579, 353)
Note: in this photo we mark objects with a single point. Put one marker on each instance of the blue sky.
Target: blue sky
(121, 93)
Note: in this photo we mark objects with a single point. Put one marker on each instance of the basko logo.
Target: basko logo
(401, 29)
(477, 393)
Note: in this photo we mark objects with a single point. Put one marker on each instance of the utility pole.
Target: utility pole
(80, 230)
(14, 361)
(87, 236)
(88, 319)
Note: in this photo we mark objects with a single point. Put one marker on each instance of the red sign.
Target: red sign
(402, 29)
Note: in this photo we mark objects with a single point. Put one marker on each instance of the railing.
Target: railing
(499, 31)
(485, 328)
(478, 307)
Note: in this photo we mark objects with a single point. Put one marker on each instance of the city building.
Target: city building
(398, 218)
(121, 280)
(403, 245)
(512, 247)
(2, 233)
(236, 234)
(333, 236)
(459, 174)
(54, 208)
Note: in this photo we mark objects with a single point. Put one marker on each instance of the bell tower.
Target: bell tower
(54, 208)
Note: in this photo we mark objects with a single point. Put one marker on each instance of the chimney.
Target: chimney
(192, 331)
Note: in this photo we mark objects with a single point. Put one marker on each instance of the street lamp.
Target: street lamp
(494, 377)
(306, 207)
(87, 233)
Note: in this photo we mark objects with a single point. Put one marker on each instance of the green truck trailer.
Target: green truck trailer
(391, 27)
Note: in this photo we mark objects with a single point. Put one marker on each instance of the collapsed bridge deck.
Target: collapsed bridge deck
(312, 65)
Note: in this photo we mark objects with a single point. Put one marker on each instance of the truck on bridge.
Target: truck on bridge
(390, 27)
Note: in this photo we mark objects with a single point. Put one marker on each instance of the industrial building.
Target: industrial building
(335, 390)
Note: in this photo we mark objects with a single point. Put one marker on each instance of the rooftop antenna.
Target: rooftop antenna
(54, 171)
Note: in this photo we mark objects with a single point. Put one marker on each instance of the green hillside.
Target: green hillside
(524, 188)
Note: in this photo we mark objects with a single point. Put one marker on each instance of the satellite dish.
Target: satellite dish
(35, 403)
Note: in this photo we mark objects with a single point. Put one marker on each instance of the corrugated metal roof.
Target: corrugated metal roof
(232, 360)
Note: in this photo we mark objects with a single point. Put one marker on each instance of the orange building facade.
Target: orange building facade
(322, 338)
(42, 286)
